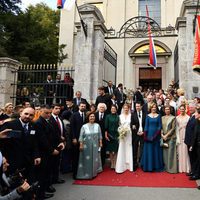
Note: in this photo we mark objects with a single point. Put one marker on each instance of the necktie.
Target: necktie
(82, 116)
(139, 114)
(26, 129)
(101, 117)
(57, 121)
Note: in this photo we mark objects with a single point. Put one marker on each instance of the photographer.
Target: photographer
(4, 183)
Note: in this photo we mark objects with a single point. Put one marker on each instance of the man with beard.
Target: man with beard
(77, 120)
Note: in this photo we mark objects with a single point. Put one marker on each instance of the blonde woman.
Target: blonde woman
(183, 157)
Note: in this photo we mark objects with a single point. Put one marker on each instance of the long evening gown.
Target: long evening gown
(183, 157)
(170, 153)
(125, 151)
(89, 159)
(152, 157)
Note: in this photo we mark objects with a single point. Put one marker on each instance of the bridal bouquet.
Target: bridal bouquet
(123, 130)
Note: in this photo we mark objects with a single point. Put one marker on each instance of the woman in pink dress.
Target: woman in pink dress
(183, 157)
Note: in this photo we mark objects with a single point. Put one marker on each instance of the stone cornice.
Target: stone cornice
(5, 61)
(86, 9)
(180, 22)
(188, 4)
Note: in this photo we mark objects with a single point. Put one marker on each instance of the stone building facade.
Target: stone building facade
(126, 32)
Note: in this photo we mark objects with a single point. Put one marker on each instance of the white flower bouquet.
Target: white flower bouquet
(123, 130)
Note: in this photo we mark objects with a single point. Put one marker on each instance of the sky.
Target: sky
(50, 3)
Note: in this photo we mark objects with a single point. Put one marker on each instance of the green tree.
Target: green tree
(10, 6)
(32, 36)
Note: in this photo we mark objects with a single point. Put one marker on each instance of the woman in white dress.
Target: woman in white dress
(125, 152)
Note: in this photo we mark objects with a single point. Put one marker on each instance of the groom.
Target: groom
(137, 127)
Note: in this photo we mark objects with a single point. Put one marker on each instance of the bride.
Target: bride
(125, 152)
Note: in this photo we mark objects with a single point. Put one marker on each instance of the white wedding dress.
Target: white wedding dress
(125, 152)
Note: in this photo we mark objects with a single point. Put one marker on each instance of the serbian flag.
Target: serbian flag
(152, 50)
(67, 4)
(196, 61)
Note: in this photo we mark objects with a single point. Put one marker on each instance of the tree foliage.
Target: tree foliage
(10, 6)
(32, 36)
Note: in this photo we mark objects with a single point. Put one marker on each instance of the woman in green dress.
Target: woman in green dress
(168, 141)
(111, 134)
(90, 146)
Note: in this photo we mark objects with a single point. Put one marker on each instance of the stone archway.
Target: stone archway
(145, 75)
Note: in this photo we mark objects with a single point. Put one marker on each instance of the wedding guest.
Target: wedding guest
(100, 117)
(93, 108)
(111, 134)
(196, 146)
(8, 111)
(168, 141)
(152, 157)
(183, 157)
(189, 134)
(137, 126)
(90, 143)
(125, 152)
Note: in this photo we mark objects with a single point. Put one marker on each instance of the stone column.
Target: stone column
(188, 79)
(7, 78)
(89, 52)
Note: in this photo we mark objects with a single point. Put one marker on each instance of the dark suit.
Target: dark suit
(75, 102)
(136, 139)
(107, 89)
(45, 136)
(75, 125)
(21, 152)
(120, 98)
(49, 92)
(138, 98)
(57, 140)
(189, 134)
(59, 90)
(104, 99)
(101, 123)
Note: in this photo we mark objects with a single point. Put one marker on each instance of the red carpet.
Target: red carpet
(139, 179)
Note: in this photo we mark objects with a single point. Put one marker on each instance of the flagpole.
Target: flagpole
(195, 17)
(84, 25)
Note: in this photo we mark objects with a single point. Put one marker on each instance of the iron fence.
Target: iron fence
(43, 83)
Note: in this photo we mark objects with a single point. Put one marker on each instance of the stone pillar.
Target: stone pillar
(188, 79)
(7, 78)
(89, 52)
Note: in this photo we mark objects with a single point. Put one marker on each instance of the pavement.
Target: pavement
(69, 191)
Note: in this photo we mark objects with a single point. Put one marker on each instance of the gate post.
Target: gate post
(89, 52)
(7, 78)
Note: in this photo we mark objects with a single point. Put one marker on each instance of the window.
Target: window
(154, 7)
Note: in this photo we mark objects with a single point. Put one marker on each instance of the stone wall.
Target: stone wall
(7, 77)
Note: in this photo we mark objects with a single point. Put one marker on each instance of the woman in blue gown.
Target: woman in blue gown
(152, 157)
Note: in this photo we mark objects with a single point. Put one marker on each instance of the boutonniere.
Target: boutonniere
(133, 127)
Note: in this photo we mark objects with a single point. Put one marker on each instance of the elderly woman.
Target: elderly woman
(90, 144)
(168, 141)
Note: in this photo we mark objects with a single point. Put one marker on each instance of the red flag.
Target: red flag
(196, 61)
(152, 51)
(59, 4)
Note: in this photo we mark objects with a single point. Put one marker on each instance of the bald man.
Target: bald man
(21, 148)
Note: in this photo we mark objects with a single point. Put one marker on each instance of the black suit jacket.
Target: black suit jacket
(107, 90)
(46, 137)
(119, 97)
(101, 123)
(20, 152)
(189, 131)
(82, 100)
(135, 123)
(57, 132)
(75, 125)
(49, 88)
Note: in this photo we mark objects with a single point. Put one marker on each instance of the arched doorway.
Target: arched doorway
(146, 76)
